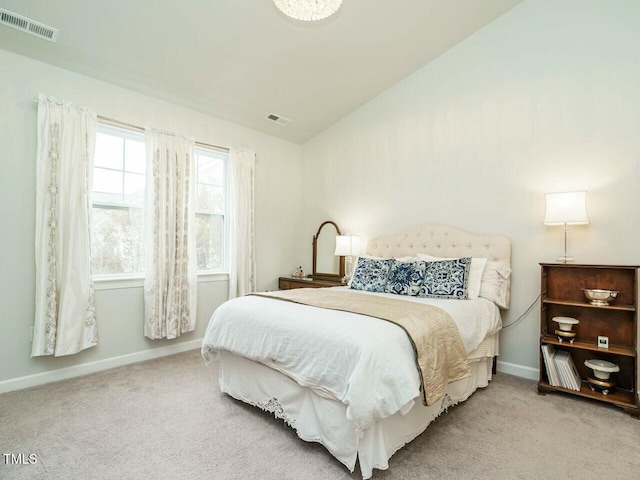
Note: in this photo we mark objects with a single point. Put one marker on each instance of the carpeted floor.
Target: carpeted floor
(166, 419)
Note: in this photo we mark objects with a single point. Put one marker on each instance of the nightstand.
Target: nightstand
(288, 283)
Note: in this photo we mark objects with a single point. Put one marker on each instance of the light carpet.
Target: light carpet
(166, 419)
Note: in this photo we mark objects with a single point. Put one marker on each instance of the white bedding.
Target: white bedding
(366, 363)
(323, 420)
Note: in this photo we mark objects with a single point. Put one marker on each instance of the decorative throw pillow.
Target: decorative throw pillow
(355, 267)
(405, 278)
(371, 274)
(447, 279)
(475, 272)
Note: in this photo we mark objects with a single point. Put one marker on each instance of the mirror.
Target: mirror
(326, 266)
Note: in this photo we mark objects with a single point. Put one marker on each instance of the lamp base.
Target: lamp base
(348, 269)
(565, 259)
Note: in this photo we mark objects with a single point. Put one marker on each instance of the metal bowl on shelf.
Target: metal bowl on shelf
(597, 296)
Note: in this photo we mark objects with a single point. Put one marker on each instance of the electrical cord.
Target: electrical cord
(524, 314)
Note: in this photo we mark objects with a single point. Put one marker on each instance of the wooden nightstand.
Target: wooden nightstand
(288, 283)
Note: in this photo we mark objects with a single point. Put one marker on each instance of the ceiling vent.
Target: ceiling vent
(272, 117)
(27, 25)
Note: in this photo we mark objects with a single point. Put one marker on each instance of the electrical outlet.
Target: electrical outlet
(603, 342)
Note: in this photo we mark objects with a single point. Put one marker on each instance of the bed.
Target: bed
(281, 356)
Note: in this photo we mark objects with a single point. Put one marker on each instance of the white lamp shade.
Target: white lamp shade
(566, 208)
(347, 245)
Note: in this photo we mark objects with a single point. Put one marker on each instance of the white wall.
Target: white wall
(546, 98)
(120, 311)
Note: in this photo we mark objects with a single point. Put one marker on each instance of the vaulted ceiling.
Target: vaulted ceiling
(240, 60)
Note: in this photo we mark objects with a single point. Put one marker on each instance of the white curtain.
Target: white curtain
(170, 285)
(65, 318)
(242, 252)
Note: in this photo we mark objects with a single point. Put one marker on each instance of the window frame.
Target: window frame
(126, 134)
(136, 280)
(224, 153)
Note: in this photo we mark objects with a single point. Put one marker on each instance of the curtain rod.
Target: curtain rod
(118, 123)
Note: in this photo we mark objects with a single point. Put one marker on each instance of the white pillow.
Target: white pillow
(494, 283)
(407, 259)
(475, 272)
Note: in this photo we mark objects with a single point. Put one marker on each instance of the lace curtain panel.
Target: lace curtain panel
(242, 251)
(65, 319)
(170, 285)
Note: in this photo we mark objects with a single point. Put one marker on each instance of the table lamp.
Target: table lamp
(346, 246)
(566, 208)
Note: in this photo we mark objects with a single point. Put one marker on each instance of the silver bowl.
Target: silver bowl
(600, 297)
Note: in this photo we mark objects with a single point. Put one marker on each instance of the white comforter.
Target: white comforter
(366, 363)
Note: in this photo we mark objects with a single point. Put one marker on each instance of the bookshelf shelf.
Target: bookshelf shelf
(626, 308)
(561, 287)
(553, 340)
(618, 397)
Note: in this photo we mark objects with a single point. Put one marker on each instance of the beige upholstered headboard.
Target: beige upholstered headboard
(441, 241)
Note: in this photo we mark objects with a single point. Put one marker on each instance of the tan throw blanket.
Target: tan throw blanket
(439, 351)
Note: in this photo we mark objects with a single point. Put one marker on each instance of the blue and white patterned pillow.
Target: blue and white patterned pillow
(371, 274)
(446, 279)
(406, 278)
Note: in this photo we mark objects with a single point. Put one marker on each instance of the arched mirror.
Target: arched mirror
(326, 266)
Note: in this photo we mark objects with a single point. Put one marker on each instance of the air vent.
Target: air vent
(27, 25)
(272, 117)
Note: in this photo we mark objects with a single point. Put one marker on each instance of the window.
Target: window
(118, 199)
(117, 230)
(211, 208)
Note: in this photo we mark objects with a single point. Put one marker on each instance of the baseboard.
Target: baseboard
(107, 363)
(97, 366)
(518, 370)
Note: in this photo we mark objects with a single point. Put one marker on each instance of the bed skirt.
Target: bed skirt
(317, 418)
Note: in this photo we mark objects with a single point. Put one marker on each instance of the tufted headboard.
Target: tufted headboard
(441, 241)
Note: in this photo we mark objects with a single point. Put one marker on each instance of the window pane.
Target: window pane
(210, 170)
(107, 181)
(99, 197)
(116, 240)
(135, 156)
(108, 151)
(209, 241)
(210, 199)
(134, 189)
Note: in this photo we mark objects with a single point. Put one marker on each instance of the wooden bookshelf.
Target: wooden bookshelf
(562, 296)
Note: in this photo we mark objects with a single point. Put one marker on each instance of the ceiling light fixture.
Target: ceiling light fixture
(308, 10)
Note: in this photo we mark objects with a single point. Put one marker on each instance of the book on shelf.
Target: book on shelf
(557, 360)
(569, 377)
(552, 373)
(575, 376)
